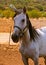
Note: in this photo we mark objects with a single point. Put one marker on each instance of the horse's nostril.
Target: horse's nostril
(15, 38)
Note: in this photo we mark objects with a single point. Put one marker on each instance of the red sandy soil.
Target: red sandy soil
(10, 55)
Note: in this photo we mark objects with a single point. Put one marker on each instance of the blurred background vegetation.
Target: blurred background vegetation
(35, 8)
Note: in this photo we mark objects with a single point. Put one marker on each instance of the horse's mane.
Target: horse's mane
(14, 15)
(33, 33)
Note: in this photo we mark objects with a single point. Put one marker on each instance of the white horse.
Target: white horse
(33, 41)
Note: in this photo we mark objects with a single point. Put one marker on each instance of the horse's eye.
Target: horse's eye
(23, 20)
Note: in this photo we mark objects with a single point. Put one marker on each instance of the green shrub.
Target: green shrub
(1, 7)
(7, 13)
(30, 8)
(39, 7)
(44, 14)
(1, 15)
(34, 14)
(44, 8)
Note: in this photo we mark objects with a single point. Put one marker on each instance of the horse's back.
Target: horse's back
(43, 29)
(42, 40)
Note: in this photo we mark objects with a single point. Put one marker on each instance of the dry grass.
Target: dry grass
(9, 55)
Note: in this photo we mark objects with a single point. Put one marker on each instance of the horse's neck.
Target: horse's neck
(26, 38)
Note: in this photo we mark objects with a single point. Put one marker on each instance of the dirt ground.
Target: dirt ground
(10, 55)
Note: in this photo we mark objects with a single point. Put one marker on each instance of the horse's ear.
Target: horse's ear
(24, 9)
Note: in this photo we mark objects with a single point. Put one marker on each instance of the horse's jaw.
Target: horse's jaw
(26, 38)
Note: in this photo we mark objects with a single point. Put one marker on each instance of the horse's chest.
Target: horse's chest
(28, 52)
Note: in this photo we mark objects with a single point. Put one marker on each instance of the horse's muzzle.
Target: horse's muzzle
(15, 38)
